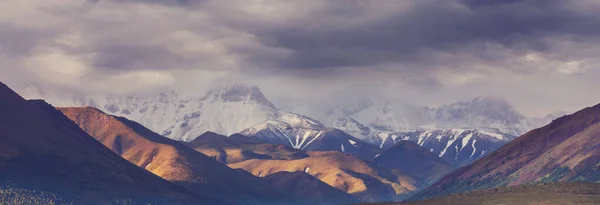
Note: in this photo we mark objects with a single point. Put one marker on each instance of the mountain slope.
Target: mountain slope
(42, 150)
(172, 160)
(301, 132)
(344, 172)
(310, 189)
(459, 147)
(237, 148)
(415, 160)
(565, 150)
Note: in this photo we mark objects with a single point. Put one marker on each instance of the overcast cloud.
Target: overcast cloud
(541, 55)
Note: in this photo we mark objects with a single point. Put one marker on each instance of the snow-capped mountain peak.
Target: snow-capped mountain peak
(301, 132)
(298, 120)
(237, 92)
(224, 109)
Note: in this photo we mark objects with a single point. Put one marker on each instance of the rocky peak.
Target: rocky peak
(237, 92)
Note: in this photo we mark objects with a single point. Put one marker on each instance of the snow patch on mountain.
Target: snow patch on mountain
(304, 133)
(457, 146)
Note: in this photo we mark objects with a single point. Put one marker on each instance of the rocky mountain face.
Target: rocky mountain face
(304, 133)
(226, 109)
(567, 149)
(172, 160)
(44, 151)
(458, 147)
(415, 160)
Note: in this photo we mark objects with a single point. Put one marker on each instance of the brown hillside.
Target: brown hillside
(344, 172)
(172, 160)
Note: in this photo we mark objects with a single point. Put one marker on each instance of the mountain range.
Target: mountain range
(371, 151)
(172, 160)
(464, 130)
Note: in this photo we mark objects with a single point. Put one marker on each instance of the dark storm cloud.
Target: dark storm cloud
(432, 48)
(132, 57)
(429, 26)
(18, 42)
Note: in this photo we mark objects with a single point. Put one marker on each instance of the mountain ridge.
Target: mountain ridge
(512, 163)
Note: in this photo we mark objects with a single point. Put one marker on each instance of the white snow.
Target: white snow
(316, 137)
(146, 167)
(295, 130)
(306, 135)
(474, 148)
(352, 142)
(457, 151)
(382, 143)
(495, 135)
(457, 133)
(465, 140)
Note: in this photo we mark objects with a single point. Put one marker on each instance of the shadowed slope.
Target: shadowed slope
(415, 160)
(172, 160)
(308, 188)
(42, 150)
(568, 149)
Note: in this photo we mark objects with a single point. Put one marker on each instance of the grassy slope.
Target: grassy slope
(547, 194)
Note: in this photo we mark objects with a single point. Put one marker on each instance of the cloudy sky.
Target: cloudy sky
(541, 55)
